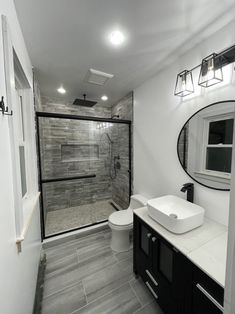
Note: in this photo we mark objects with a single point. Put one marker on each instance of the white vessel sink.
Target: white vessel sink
(175, 214)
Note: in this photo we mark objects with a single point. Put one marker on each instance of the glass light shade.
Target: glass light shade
(211, 71)
(184, 84)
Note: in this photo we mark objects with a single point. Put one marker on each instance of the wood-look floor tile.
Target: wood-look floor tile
(151, 308)
(124, 255)
(93, 249)
(119, 301)
(94, 263)
(59, 280)
(61, 264)
(142, 292)
(70, 247)
(105, 280)
(65, 301)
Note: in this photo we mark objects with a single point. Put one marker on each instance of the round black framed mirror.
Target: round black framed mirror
(205, 145)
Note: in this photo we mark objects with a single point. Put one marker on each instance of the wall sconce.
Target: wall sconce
(210, 74)
(184, 84)
(211, 71)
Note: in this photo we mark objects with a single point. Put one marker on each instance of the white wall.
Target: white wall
(159, 117)
(18, 272)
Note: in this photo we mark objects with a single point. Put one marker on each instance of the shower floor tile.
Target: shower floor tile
(78, 216)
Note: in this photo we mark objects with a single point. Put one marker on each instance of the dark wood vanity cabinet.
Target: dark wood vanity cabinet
(207, 296)
(177, 285)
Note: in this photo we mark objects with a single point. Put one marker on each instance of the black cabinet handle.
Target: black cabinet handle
(213, 300)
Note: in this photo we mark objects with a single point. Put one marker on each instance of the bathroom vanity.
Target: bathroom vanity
(185, 273)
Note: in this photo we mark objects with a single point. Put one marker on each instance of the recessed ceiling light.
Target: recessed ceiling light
(61, 90)
(104, 98)
(116, 38)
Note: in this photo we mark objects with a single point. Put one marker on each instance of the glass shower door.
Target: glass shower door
(84, 171)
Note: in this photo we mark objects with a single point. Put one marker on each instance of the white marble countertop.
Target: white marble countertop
(205, 246)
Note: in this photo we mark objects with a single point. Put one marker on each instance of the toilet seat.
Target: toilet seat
(122, 219)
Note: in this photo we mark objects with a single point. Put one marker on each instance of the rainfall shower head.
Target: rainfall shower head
(83, 102)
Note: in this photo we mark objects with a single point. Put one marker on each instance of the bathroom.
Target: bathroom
(109, 187)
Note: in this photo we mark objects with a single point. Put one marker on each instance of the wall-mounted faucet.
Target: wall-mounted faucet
(189, 187)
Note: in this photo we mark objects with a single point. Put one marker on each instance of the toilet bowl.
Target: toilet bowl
(121, 223)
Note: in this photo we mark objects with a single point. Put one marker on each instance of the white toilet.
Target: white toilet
(121, 222)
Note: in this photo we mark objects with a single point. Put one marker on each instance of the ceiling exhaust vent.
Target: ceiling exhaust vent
(83, 102)
(97, 77)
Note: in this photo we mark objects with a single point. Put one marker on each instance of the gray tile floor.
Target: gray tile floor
(78, 216)
(85, 276)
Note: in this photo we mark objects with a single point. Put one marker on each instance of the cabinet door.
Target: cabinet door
(174, 274)
(142, 244)
(166, 257)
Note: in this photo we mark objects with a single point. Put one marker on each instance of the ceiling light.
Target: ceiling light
(116, 38)
(184, 84)
(104, 98)
(61, 90)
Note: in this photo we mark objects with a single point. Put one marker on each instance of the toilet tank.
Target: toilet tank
(137, 201)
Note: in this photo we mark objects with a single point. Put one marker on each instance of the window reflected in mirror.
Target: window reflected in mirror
(205, 145)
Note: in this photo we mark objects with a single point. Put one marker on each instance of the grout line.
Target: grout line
(84, 290)
(132, 288)
(100, 297)
(143, 306)
(61, 290)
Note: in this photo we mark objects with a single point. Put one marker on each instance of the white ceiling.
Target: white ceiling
(67, 37)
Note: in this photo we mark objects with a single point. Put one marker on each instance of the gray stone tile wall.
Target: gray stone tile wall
(120, 185)
(124, 107)
(57, 106)
(55, 133)
(62, 139)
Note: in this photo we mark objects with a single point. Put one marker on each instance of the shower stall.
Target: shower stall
(84, 170)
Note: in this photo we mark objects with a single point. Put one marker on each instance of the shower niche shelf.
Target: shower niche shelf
(79, 152)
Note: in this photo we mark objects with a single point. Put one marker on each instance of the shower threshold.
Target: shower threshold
(69, 219)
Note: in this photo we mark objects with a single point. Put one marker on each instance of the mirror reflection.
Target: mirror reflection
(205, 145)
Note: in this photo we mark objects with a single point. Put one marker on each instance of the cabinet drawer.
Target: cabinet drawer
(161, 296)
(207, 295)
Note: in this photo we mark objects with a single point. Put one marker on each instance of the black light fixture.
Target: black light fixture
(211, 71)
(184, 84)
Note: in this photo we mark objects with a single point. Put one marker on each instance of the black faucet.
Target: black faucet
(189, 187)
